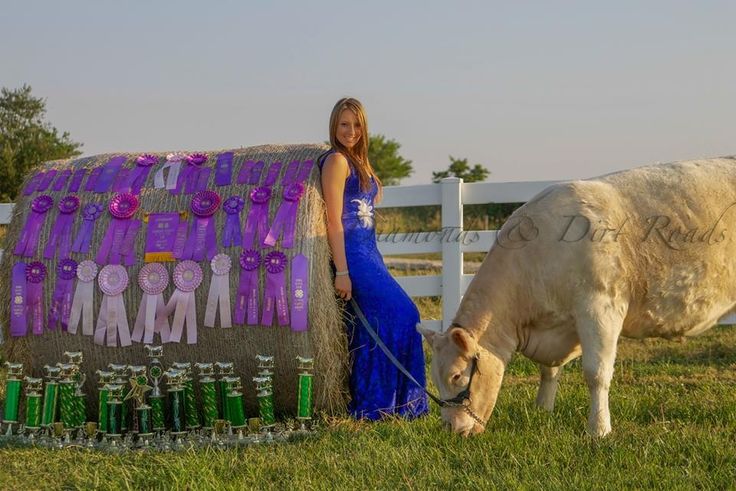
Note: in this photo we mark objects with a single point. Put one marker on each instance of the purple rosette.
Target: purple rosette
(146, 160)
(205, 203)
(123, 205)
(113, 279)
(92, 211)
(67, 269)
(35, 272)
(260, 195)
(197, 158)
(42, 204)
(87, 270)
(233, 205)
(69, 204)
(275, 262)
(293, 191)
(187, 276)
(153, 278)
(250, 259)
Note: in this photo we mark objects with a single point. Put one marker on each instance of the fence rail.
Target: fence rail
(451, 194)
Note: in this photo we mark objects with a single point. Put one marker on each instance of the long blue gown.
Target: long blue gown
(376, 386)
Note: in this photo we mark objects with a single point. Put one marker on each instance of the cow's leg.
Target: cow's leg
(599, 325)
(548, 386)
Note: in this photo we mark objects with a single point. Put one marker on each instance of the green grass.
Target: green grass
(673, 409)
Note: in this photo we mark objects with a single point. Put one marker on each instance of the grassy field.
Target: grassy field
(674, 417)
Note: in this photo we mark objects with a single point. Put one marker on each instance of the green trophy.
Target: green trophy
(114, 431)
(304, 402)
(120, 378)
(67, 399)
(156, 399)
(190, 399)
(225, 369)
(177, 404)
(33, 407)
(50, 409)
(209, 395)
(264, 394)
(236, 408)
(139, 387)
(265, 365)
(80, 407)
(134, 372)
(12, 395)
(103, 394)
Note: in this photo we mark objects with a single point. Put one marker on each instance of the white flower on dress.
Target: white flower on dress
(365, 212)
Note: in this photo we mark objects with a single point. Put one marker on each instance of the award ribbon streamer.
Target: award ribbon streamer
(285, 218)
(246, 301)
(231, 236)
(108, 173)
(152, 317)
(256, 224)
(90, 213)
(299, 292)
(84, 299)
(32, 184)
(112, 321)
(61, 300)
(219, 294)
(122, 207)
(61, 180)
(251, 172)
(89, 186)
(138, 175)
(61, 233)
(224, 169)
(35, 274)
(275, 295)
(28, 241)
(173, 165)
(76, 181)
(187, 277)
(202, 241)
(18, 304)
(45, 181)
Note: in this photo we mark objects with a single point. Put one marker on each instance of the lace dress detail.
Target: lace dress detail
(376, 386)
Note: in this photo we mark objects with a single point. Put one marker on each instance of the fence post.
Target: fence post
(452, 254)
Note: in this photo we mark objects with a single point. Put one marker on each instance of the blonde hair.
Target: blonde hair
(358, 155)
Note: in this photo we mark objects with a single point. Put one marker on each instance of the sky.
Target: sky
(531, 90)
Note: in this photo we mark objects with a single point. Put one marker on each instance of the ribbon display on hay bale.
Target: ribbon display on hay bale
(138, 220)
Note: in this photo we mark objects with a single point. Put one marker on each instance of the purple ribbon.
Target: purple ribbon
(61, 233)
(183, 178)
(127, 249)
(45, 182)
(202, 240)
(256, 224)
(160, 237)
(32, 184)
(180, 240)
(90, 213)
(19, 296)
(112, 242)
(76, 181)
(224, 169)
(121, 181)
(305, 170)
(290, 174)
(251, 172)
(231, 236)
(285, 218)
(299, 292)
(198, 181)
(273, 174)
(60, 182)
(61, 301)
(89, 186)
(246, 300)
(35, 273)
(108, 173)
(274, 298)
(28, 241)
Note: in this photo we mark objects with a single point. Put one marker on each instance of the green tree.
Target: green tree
(461, 168)
(26, 139)
(383, 154)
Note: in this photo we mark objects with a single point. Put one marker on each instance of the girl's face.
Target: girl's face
(348, 128)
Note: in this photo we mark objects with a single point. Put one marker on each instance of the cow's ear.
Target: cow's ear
(429, 334)
(463, 339)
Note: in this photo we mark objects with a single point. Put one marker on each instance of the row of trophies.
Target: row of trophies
(130, 417)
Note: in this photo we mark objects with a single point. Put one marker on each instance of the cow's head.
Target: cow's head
(453, 355)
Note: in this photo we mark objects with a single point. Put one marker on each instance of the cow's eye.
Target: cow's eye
(456, 378)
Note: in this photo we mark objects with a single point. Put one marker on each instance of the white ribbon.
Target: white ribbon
(170, 182)
(219, 294)
(112, 320)
(152, 319)
(84, 299)
(185, 313)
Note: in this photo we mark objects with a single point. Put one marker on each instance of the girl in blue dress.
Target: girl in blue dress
(350, 186)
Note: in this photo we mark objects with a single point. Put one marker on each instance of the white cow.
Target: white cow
(647, 252)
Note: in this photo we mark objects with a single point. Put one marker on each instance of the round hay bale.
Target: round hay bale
(325, 340)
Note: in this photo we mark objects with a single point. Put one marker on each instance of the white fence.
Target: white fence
(451, 194)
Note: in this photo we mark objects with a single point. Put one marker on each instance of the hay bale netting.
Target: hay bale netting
(324, 340)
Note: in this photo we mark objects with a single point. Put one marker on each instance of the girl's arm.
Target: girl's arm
(334, 172)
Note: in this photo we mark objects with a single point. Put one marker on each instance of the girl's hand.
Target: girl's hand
(344, 287)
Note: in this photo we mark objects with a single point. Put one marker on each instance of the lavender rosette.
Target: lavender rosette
(246, 300)
(275, 293)
(231, 236)
(29, 235)
(219, 293)
(61, 300)
(152, 317)
(285, 218)
(61, 233)
(112, 321)
(187, 277)
(256, 224)
(90, 213)
(84, 298)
